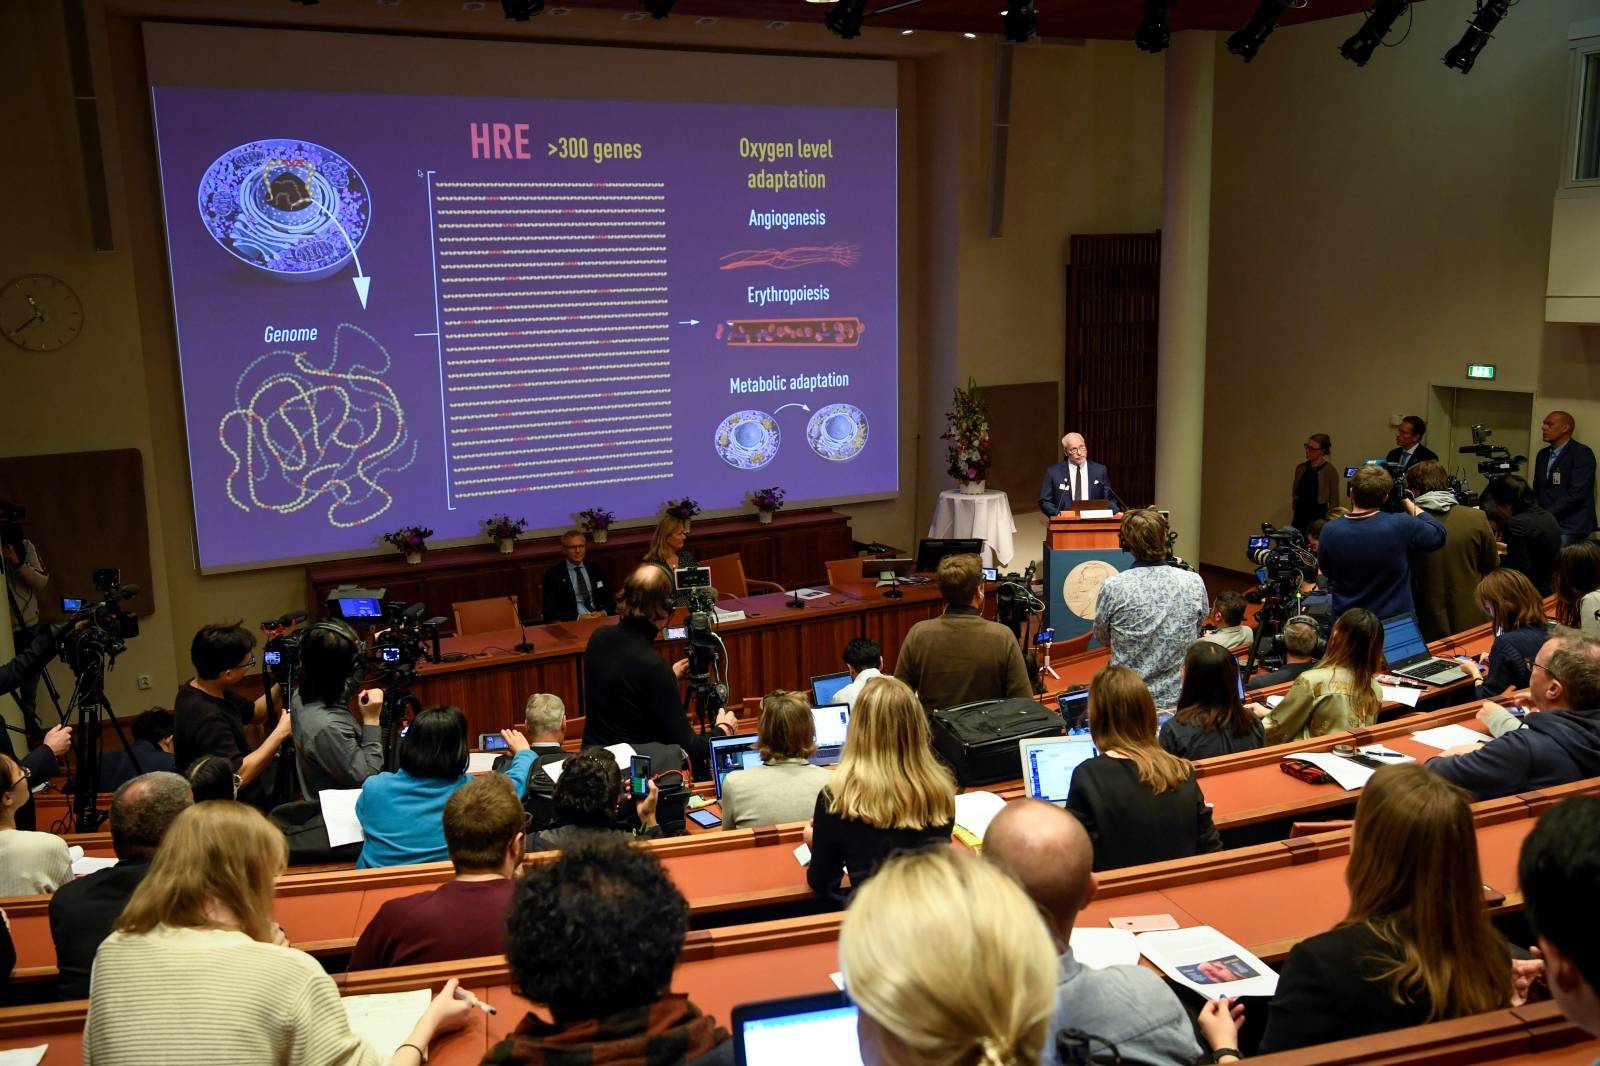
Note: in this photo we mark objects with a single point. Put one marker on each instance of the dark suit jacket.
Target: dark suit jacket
(561, 599)
(1422, 453)
(1572, 501)
(539, 797)
(1053, 497)
(82, 913)
(116, 767)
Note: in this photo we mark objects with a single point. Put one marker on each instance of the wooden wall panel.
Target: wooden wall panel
(1022, 438)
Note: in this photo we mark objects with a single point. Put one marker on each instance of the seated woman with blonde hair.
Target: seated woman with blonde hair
(1341, 692)
(665, 544)
(949, 963)
(784, 787)
(196, 971)
(1416, 945)
(888, 792)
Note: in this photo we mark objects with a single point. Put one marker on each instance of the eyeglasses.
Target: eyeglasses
(248, 663)
(1542, 666)
(26, 775)
(1312, 448)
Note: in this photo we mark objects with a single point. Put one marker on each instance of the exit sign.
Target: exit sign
(1480, 371)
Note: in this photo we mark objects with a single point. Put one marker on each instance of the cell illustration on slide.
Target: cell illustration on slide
(845, 255)
(286, 206)
(748, 440)
(317, 430)
(842, 332)
(837, 432)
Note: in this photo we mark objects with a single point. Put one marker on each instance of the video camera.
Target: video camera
(1284, 558)
(1493, 459)
(1397, 495)
(96, 633)
(281, 654)
(1014, 598)
(405, 639)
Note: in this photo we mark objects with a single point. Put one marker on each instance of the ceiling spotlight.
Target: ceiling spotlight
(1359, 48)
(1247, 42)
(1021, 21)
(1479, 30)
(521, 10)
(659, 9)
(1152, 35)
(846, 17)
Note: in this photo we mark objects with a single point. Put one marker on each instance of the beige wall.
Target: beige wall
(1373, 231)
(1085, 158)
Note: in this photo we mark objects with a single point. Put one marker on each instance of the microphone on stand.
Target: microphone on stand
(524, 647)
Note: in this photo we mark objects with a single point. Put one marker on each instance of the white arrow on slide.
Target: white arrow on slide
(689, 322)
(363, 283)
(802, 407)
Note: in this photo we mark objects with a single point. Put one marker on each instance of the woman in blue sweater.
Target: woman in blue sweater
(402, 813)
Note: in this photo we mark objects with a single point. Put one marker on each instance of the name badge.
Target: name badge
(1064, 485)
(1555, 477)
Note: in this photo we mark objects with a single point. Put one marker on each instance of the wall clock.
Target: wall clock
(40, 313)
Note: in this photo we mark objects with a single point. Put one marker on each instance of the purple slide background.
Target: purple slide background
(223, 305)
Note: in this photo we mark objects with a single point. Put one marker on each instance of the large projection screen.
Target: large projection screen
(428, 281)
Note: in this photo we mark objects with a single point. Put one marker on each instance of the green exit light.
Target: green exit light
(1480, 371)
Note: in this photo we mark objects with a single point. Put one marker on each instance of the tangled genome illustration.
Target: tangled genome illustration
(286, 206)
(302, 434)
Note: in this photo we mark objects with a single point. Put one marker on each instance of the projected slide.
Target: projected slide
(411, 309)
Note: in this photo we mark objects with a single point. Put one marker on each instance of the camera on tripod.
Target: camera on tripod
(1014, 598)
(1493, 459)
(1397, 495)
(1282, 558)
(406, 639)
(708, 692)
(98, 632)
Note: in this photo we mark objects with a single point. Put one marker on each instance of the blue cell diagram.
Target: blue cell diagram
(317, 431)
(289, 207)
(750, 439)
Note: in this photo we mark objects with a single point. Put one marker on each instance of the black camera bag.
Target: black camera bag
(979, 740)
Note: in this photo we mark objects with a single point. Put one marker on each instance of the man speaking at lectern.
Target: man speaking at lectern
(1075, 479)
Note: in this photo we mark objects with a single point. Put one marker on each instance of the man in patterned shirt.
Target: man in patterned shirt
(1149, 614)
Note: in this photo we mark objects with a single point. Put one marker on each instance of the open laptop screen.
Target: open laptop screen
(1047, 765)
(826, 687)
(733, 753)
(802, 1030)
(833, 723)
(1402, 640)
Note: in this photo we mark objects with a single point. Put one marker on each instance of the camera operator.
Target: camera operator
(26, 577)
(1563, 477)
(630, 694)
(40, 763)
(209, 716)
(1444, 582)
(332, 749)
(1150, 613)
(1366, 554)
(1530, 536)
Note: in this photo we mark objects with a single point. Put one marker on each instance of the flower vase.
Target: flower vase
(414, 557)
(507, 544)
(599, 535)
(973, 488)
(765, 516)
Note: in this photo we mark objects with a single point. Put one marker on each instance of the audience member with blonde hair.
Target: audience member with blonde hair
(1139, 802)
(1341, 692)
(784, 787)
(30, 863)
(962, 657)
(949, 963)
(1416, 944)
(887, 794)
(1520, 630)
(665, 544)
(198, 972)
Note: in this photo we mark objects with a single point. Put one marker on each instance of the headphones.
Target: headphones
(1306, 619)
(358, 660)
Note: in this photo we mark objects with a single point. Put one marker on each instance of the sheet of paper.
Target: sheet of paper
(1099, 948)
(88, 864)
(74, 852)
(1401, 694)
(975, 810)
(1386, 754)
(384, 1020)
(339, 815)
(482, 762)
(1208, 962)
(838, 980)
(1273, 701)
(622, 753)
(553, 769)
(1448, 736)
(32, 1056)
(810, 594)
(1097, 514)
(1349, 775)
(802, 855)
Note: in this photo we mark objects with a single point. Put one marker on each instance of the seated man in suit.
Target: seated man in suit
(546, 718)
(1408, 447)
(574, 589)
(151, 749)
(1559, 872)
(82, 912)
(1075, 479)
(1563, 477)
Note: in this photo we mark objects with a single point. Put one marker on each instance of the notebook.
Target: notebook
(1048, 762)
(1407, 654)
(832, 723)
(733, 753)
(826, 687)
(797, 1030)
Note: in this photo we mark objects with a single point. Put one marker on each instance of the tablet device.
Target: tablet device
(799, 1029)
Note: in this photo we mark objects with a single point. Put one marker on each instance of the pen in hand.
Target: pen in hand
(463, 994)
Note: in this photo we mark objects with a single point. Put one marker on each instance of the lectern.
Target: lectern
(1079, 553)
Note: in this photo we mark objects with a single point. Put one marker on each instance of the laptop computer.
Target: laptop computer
(833, 723)
(1408, 655)
(733, 753)
(1048, 762)
(825, 687)
(796, 1030)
